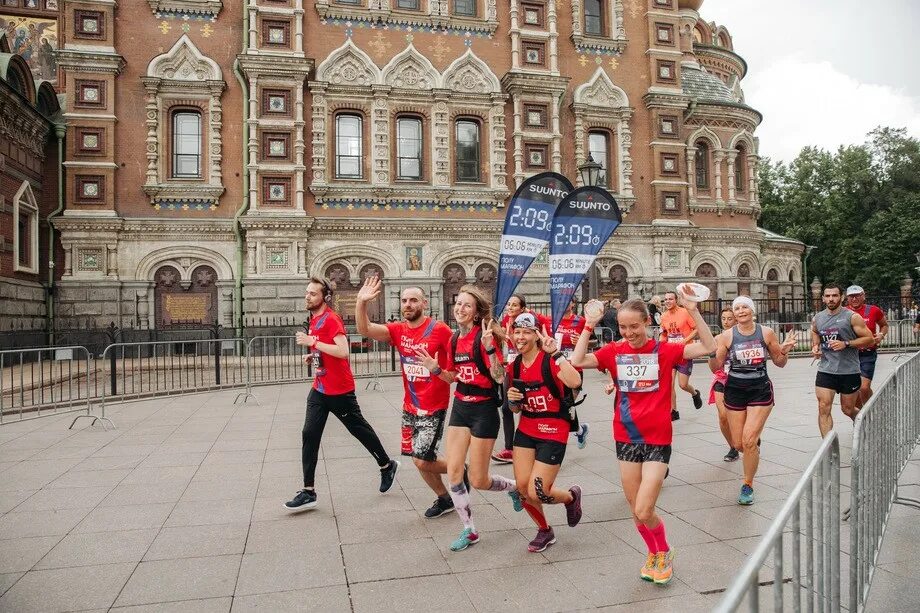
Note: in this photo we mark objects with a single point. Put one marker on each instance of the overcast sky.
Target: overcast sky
(825, 72)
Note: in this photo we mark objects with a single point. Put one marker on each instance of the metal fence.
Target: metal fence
(808, 529)
(885, 435)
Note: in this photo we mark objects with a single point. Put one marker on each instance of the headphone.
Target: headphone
(328, 289)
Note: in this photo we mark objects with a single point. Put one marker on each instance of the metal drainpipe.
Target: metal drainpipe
(237, 226)
(59, 131)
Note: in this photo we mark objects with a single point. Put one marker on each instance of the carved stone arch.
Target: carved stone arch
(363, 253)
(610, 258)
(16, 72)
(722, 38)
(469, 74)
(745, 257)
(184, 298)
(184, 62)
(348, 65)
(742, 138)
(339, 274)
(409, 69)
(773, 263)
(600, 91)
(173, 256)
(478, 254)
(703, 132)
(712, 257)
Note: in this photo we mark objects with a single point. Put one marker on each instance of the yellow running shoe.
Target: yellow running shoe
(663, 567)
(648, 571)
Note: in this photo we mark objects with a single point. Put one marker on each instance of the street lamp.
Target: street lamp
(590, 172)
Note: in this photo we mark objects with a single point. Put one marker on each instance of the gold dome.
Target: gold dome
(690, 4)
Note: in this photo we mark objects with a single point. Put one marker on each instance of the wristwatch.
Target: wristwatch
(846, 343)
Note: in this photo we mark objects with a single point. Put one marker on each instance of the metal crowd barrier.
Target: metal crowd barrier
(885, 435)
(47, 381)
(810, 522)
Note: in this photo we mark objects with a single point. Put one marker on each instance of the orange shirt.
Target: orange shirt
(677, 325)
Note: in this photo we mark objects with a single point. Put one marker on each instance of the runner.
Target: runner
(641, 426)
(677, 326)
(836, 336)
(515, 306)
(748, 389)
(538, 388)
(426, 396)
(878, 325)
(717, 392)
(476, 365)
(333, 392)
(566, 336)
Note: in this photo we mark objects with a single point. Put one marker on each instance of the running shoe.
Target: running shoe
(440, 507)
(663, 567)
(387, 475)
(675, 414)
(305, 499)
(582, 436)
(732, 455)
(573, 509)
(544, 539)
(648, 571)
(516, 501)
(502, 457)
(466, 538)
(697, 400)
(747, 495)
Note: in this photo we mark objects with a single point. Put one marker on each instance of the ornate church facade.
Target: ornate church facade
(218, 153)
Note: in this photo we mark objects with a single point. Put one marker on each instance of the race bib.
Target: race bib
(751, 352)
(828, 335)
(413, 370)
(637, 372)
(675, 338)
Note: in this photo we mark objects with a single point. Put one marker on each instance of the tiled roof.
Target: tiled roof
(702, 86)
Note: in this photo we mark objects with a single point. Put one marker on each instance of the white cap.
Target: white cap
(746, 301)
(526, 320)
(854, 290)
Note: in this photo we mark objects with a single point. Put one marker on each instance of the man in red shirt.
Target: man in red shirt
(677, 326)
(333, 392)
(878, 326)
(426, 396)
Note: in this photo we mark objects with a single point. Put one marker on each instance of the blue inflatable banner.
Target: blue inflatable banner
(528, 226)
(582, 224)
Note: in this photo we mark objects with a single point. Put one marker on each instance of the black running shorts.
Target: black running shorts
(548, 452)
(421, 435)
(842, 384)
(480, 417)
(740, 397)
(642, 452)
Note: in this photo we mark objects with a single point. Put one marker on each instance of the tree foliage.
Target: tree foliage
(859, 207)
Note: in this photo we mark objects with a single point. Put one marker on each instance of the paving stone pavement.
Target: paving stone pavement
(180, 509)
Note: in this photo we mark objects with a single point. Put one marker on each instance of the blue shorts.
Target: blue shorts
(867, 361)
(685, 367)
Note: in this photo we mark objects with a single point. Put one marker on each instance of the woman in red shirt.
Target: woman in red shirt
(475, 363)
(642, 368)
(543, 430)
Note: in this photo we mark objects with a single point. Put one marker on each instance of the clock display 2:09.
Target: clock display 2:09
(576, 234)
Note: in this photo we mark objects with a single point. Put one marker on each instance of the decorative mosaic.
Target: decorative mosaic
(276, 257)
(426, 207)
(372, 24)
(90, 259)
(184, 206)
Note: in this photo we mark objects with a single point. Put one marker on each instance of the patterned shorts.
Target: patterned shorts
(421, 435)
(643, 452)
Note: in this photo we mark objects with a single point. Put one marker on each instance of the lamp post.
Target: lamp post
(590, 172)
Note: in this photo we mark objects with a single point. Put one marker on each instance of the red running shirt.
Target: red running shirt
(332, 375)
(540, 400)
(425, 394)
(570, 328)
(642, 415)
(467, 372)
(872, 314)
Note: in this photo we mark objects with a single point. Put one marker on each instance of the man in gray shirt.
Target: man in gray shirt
(837, 335)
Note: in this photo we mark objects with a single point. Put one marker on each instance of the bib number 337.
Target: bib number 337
(637, 373)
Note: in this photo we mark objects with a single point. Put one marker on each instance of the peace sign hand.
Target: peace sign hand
(789, 342)
(487, 334)
(547, 342)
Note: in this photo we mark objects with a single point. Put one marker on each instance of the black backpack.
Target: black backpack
(467, 389)
(568, 397)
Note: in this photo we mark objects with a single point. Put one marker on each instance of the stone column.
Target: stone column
(717, 159)
(691, 173)
(906, 290)
(815, 287)
(731, 176)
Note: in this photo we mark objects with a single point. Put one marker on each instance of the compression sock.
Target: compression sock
(462, 503)
(501, 484)
(536, 515)
(648, 537)
(661, 540)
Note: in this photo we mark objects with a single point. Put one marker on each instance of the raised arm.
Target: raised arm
(580, 356)
(707, 342)
(567, 373)
(370, 290)
(779, 353)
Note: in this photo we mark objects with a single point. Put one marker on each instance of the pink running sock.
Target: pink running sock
(647, 537)
(463, 505)
(660, 539)
(501, 484)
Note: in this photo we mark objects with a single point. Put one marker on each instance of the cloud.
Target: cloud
(812, 103)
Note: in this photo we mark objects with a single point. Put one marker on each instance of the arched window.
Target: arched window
(466, 151)
(698, 36)
(723, 41)
(740, 168)
(791, 276)
(409, 148)
(744, 287)
(702, 165)
(186, 144)
(599, 148)
(349, 149)
(619, 281)
(594, 17)
(708, 275)
(772, 275)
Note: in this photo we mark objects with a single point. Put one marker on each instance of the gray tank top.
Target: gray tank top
(837, 326)
(748, 355)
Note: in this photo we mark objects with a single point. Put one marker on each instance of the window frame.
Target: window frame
(604, 176)
(475, 121)
(740, 178)
(174, 114)
(601, 17)
(337, 139)
(474, 8)
(421, 149)
(702, 173)
(417, 7)
(29, 206)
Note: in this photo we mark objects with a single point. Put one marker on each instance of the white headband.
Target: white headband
(745, 301)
